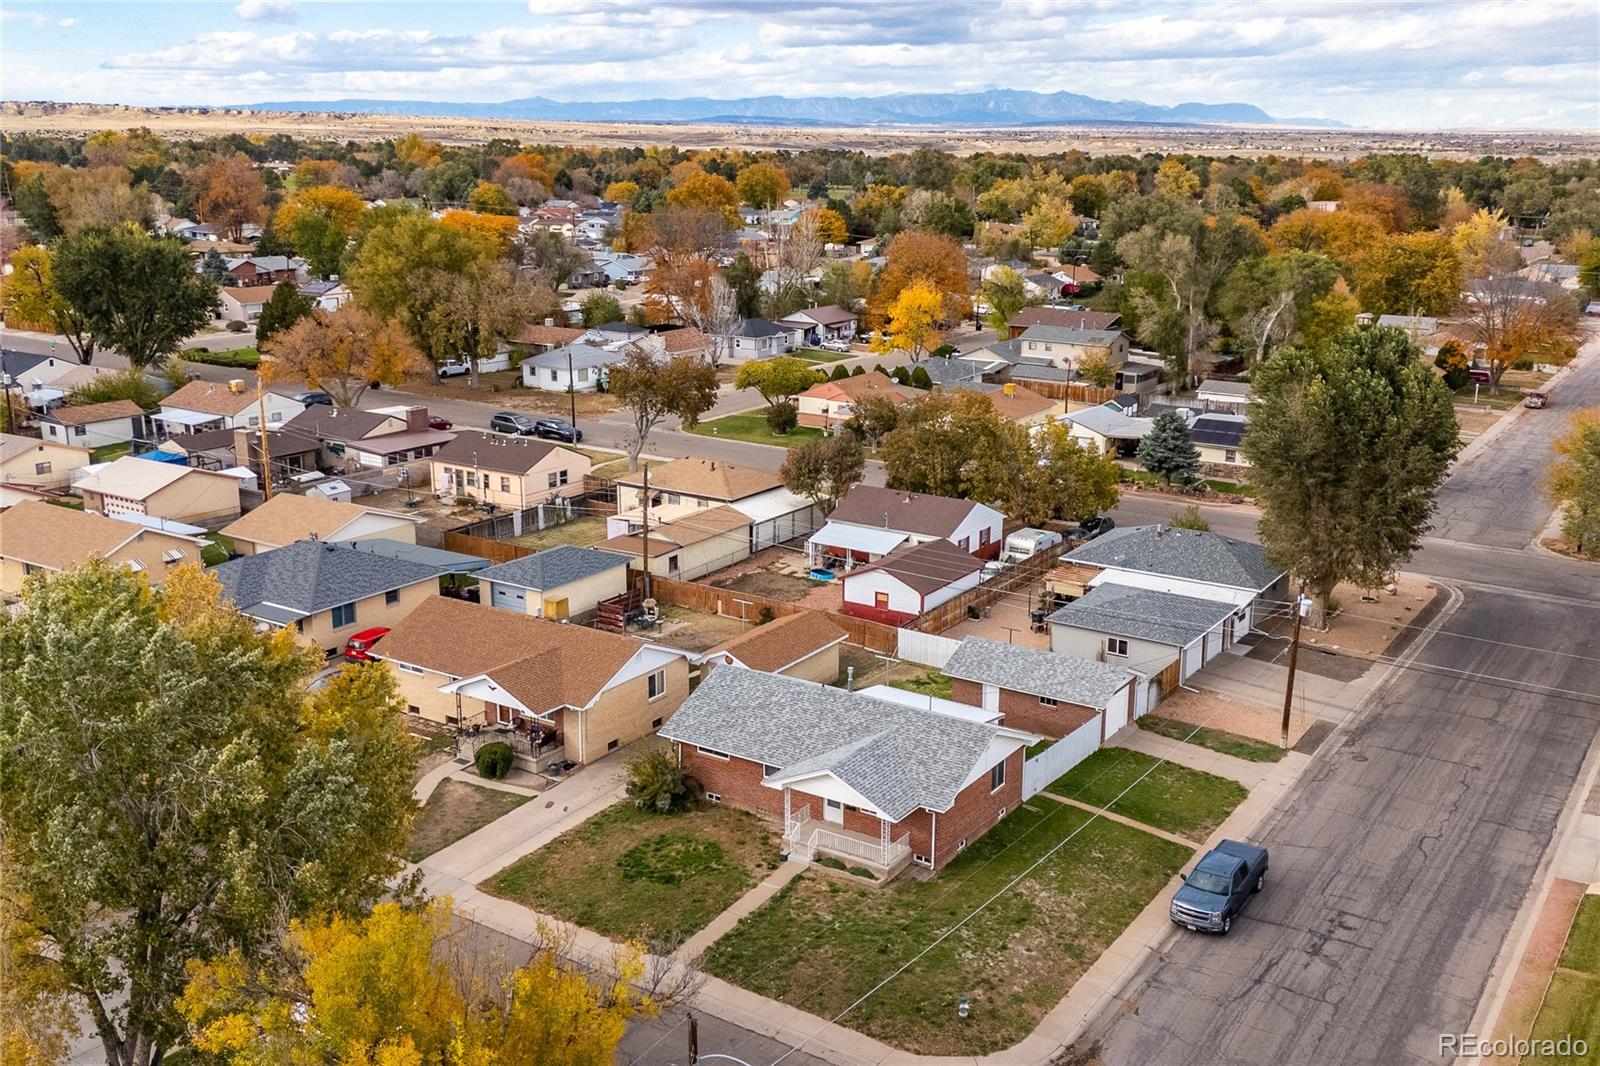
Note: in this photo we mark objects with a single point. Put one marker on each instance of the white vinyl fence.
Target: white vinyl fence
(1060, 757)
(926, 648)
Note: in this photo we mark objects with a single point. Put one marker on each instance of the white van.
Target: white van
(1026, 542)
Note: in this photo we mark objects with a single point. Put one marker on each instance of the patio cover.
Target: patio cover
(856, 538)
(179, 417)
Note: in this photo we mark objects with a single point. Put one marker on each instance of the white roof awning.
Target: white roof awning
(857, 538)
(177, 416)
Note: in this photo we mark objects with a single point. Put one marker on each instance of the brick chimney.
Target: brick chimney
(416, 419)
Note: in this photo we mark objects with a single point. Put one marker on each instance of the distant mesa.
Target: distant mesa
(993, 108)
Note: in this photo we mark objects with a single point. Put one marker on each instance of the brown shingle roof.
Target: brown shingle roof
(249, 294)
(1067, 319)
(57, 538)
(209, 397)
(687, 339)
(691, 529)
(860, 386)
(783, 641)
(543, 664)
(913, 512)
(929, 566)
(1020, 403)
(711, 478)
(109, 411)
(551, 335)
(287, 518)
(510, 455)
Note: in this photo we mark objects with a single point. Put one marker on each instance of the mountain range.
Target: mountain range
(994, 107)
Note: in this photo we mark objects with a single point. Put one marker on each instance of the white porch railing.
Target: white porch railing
(807, 837)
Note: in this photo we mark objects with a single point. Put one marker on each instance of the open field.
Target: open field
(820, 943)
(76, 120)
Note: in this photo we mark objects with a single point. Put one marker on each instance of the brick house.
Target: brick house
(1040, 691)
(551, 690)
(876, 783)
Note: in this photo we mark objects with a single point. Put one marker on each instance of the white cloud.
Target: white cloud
(266, 10)
(66, 24)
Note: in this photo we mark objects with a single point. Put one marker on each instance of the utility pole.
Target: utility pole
(694, 1040)
(1294, 655)
(572, 390)
(644, 534)
(266, 457)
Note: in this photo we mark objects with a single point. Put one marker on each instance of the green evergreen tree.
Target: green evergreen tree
(1167, 450)
(284, 309)
(839, 371)
(214, 267)
(919, 379)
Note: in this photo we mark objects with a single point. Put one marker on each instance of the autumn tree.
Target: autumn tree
(1574, 483)
(343, 352)
(652, 388)
(762, 185)
(396, 987)
(1096, 369)
(415, 150)
(93, 197)
(1409, 274)
(599, 308)
(498, 233)
(1265, 299)
(913, 257)
(526, 166)
(710, 191)
(1348, 443)
(1174, 179)
(231, 195)
(830, 225)
(913, 322)
(135, 293)
(181, 791)
(1483, 244)
(1087, 195)
(621, 192)
(491, 199)
(824, 470)
(470, 314)
(319, 222)
(1004, 293)
(286, 307)
(1505, 318)
(776, 379)
(31, 300)
(552, 255)
(1049, 222)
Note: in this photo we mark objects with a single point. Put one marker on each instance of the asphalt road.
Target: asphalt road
(1498, 499)
(1398, 863)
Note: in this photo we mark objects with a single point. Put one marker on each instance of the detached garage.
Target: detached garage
(558, 583)
(910, 581)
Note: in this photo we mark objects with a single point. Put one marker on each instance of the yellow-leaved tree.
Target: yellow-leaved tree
(400, 987)
(913, 325)
(343, 353)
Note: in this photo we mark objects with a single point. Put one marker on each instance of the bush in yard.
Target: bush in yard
(129, 384)
(1168, 451)
(858, 371)
(920, 379)
(782, 417)
(494, 760)
(1190, 518)
(839, 372)
(656, 782)
(237, 325)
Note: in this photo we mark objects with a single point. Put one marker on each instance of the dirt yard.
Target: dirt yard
(870, 667)
(454, 810)
(779, 574)
(1231, 716)
(504, 387)
(694, 630)
(1366, 622)
(1006, 621)
(441, 515)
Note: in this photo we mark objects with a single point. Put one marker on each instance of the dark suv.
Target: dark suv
(511, 422)
(557, 429)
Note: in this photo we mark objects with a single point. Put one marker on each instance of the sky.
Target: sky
(1407, 65)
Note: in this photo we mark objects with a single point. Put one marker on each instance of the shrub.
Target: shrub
(240, 358)
(1190, 518)
(1456, 378)
(858, 371)
(782, 417)
(831, 863)
(862, 871)
(494, 760)
(944, 351)
(901, 375)
(656, 782)
(920, 378)
(839, 372)
(237, 325)
(129, 384)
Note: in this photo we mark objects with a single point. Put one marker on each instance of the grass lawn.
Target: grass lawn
(1175, 798)
(659, 878)
(929, 682)
(219, 549)
(1236, 487)
(754, 428)
(1572, 1003)
(1502, 399)
(605, 464)
(819, 944)
(241, 358)
(107, 452)
(581, 531)
(1215, 739)
(818, 355)
(455, 809)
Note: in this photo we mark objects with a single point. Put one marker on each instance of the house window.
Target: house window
(1001, 813)
(997, 776)
(557, 478)
(880, 600)
(961, 845)
(922, 860)
(391, 597)
(299, 625)
(406, 668)
(767, 770)
(655, 723)
(554, 376)
(79, 431)
(172, 555)
(672, 564)
(472, 479)
(1116, 646)
(412, 708)
(1230, 456)
(658, 684)
(41, 468)
(505, 484)
(583, 374)
(983, 537)
(713, 753)
(674, 498)
(1046, 701)
(714, 797)
(255, 420)
(344, 615)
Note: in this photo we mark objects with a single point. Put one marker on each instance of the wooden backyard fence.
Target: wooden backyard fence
(1013, 580)
(874, 636)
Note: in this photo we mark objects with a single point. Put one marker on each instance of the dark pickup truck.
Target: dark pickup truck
(1218, 886)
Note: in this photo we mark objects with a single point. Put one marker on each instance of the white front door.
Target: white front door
(833, 811)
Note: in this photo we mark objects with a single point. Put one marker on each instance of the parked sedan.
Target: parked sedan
(439, 422)
(313, 398)
(454, 368)
(1091, 528)
(511, 422)
(838, 344)
(557, 429)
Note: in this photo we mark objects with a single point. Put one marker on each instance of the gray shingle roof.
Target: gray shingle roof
(1183, 553)
(1143, 614)
(1065, 335)
(582, 355)
(312, 575)
(1040, 372)
(1219, 387)
(898, 758)
(759, 327)
(554, 567)
(951, 371)
(1039, 673)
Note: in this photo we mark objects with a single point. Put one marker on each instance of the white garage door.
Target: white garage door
(1117, 712)
(508, 597)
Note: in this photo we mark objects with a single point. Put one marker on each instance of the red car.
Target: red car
(439, 422)
(358, 649)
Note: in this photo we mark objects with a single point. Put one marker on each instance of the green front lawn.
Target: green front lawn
(1215, 739)
(818, 355)
(238, 358)
(105, 453)
(1572, 1002)
(659, 878)
(1189, 802)
(754, 428)
(820, 944)
(218, 550)
(456, 809)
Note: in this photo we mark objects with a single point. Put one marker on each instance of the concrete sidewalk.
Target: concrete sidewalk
(1262, 683)
(722, 923)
